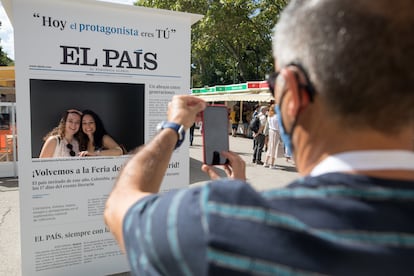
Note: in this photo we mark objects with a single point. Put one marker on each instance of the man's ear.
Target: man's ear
(291, 98)
(305, 98)
(298, 96)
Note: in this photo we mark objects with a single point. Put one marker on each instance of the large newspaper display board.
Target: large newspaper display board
(123, 62)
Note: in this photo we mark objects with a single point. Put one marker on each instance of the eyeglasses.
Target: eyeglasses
(271, 81)
(70, 147)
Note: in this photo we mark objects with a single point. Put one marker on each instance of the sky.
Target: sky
(6, 29)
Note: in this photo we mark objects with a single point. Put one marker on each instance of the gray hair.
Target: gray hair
(359, 56)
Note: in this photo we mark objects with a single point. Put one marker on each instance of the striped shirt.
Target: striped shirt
(333, 224)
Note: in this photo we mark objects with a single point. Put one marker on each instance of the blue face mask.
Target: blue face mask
(287, 140)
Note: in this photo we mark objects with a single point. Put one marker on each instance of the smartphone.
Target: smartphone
(215, 134)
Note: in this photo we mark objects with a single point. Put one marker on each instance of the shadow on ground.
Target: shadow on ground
(287, 168)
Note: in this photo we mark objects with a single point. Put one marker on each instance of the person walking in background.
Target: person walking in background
(245, 121)
(266, 131)
(274, 138)
(344, 94)
(95, 140)
(256, 110)
(254, 114)
(192, 128)
(259, 137)
(63, 140)
(234, 121)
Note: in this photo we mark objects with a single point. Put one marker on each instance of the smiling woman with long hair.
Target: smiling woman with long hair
(95, 140)
(63, 140)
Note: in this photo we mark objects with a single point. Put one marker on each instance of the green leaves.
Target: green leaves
(232, 43)
(4, 59)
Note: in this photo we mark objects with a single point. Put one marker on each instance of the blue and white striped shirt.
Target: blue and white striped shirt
(333, 224)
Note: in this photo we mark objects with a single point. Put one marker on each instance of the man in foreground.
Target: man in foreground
(345, 97)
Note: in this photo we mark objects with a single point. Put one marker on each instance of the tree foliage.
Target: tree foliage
(4, 59)
(232, 43)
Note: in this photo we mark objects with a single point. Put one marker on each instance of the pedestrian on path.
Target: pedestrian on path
(192, 128)
(274, 139)
(259, 137)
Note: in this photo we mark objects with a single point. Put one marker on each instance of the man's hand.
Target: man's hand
(236, 169)
(183, 109)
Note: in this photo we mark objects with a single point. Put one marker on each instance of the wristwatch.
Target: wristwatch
(178, 128)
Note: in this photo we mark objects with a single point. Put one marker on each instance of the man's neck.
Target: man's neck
(310, 151)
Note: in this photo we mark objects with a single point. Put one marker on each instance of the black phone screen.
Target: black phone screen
(215, 134)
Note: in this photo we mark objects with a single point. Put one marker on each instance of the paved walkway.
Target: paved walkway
(259, 177)
(9, 228)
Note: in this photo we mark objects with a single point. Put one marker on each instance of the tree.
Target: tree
(4, 59)
(232, 43)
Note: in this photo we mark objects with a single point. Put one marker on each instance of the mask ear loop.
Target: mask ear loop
(297, 97)
(289, 76)
(286, 136)
(304, 98)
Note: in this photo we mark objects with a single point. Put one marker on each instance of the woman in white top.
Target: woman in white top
(274, 138)
(63, 140)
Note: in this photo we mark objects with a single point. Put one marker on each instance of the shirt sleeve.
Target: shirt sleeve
(163, 234)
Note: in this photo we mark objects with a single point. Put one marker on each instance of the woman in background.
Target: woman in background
(95, 140)
(234, 121)
(63, 140)
(274, 138)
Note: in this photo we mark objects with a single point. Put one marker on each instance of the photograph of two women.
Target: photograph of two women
(81, 119)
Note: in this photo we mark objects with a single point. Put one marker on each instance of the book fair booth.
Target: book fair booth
(240, 98)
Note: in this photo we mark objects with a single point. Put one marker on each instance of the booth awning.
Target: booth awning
(250, 91)
(244, 96)
(7, 80)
